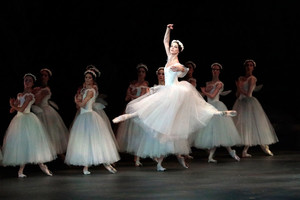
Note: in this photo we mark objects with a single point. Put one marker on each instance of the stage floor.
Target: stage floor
(259, 177)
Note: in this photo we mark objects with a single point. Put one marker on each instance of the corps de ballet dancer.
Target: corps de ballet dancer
(128, 133)
(56, 128)
(220, 131)
(26, 140)
(91, 141)
(251, 121)
(175, 110)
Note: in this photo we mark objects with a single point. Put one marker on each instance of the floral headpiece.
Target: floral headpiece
(142, 65)
(179, 43)
(159, 69)
(47, 70)
(250, 60)
(192, 63)
(90, 71)
(92, 67)
(218, 64)
(30, 74)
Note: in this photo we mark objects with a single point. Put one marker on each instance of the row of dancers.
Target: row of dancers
(166, 119)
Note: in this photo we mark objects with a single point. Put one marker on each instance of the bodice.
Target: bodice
(44, 101)
(138, 89)
(245, 85)
(89, 105)
(213, 86)
(171, 77)
(22, 100)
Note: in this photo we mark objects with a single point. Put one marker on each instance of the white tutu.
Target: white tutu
(129, 135)
(91, 141)
(252, 123)
(172, 111)
(26, 141)
(220, 131)
(150, 146)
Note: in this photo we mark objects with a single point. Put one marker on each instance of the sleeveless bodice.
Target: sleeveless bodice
(214, 85)
(44, 101)
(89, 105)
(172, 77)
(138, 89)
(245, 86)
(22, 100)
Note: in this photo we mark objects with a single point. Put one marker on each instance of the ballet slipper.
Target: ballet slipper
(246, 155)
(110, 168)
(159, 168)
(266, 149)
(229, 113)
(45, 169)
(138, 163)
(21, 175)
(233, 155)
(211, 160)
(182, 162)
(86, 172)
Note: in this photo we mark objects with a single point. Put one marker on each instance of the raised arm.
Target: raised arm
(167, 38)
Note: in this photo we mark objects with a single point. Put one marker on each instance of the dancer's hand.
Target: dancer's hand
(170, 26)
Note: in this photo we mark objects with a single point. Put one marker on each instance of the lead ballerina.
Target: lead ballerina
(176, 110)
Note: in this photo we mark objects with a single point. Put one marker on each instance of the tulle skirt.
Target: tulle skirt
(91, 142)
(129, 135)
(220, 131)
(56, 128)
(152, 147)
(26, 141)
(173, 111)
(252, 123)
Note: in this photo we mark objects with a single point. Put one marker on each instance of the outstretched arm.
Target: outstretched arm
(167, 38)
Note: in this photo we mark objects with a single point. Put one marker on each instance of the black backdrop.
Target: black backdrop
(66, 36)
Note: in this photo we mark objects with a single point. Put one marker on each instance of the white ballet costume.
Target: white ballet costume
(151, 146)
(251, 121)
(56, 128)
(220, 131)
(26, 139)
(129, 133)
(173, 111)
(90, 141)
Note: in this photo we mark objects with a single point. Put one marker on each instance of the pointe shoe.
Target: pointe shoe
(45, 169)
(246, 155)
(159, 168)
(229, 113)
(22, 175)
(211, 160)
(189, 157)
(138, 164)
(110, 169)
(233, 155)
(119, 119)
(182, 162)
(267, 150)
(86, 172)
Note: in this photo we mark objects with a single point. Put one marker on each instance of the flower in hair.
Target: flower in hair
(142, 65)
(179, 43)
(218, 64)
(92, 67)
(250, 60)
(47, 70)
(30, 74)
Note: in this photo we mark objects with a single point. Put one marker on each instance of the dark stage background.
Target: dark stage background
(66, 36)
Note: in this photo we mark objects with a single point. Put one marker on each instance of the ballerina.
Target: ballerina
(175, 110)
(252, 122)
(91, 141)
(26, 139)
(220, 131)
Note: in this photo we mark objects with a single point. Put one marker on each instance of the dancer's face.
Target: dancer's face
(215, 70)
(249, 66)
(174, 49)
(44, 76)
(28, 82)
(141, 73)
(161, 75)
(88, 79)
